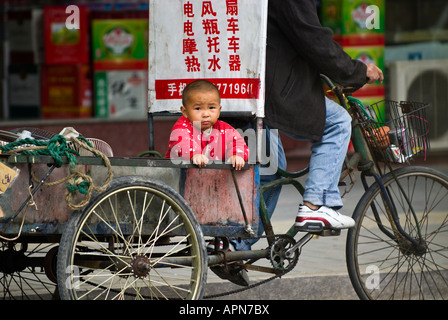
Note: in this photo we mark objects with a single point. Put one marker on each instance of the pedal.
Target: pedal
(329, 233)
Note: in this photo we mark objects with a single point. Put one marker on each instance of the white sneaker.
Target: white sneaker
(309, 220)
(211, 247)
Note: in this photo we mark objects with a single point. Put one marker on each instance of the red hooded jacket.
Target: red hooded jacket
(219, 143)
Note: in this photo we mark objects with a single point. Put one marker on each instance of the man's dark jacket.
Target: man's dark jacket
(298, 50)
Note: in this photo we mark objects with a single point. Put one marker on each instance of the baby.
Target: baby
(199, 136)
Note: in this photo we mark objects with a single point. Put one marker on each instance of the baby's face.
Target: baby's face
(202, 108)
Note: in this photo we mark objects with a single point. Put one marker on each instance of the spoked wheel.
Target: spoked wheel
(138, 240)
(383, 263)
(28, 271)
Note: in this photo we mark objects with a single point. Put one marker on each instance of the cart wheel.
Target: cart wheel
(23, 274)
(137, 240)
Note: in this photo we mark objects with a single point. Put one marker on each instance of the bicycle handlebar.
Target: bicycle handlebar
(336, 90)
(339, 91)
(346, 90)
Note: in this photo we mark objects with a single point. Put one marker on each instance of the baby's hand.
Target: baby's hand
(237, 162)
(200, 160)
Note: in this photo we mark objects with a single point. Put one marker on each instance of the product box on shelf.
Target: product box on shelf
(120, 44)
(358, 26)
(121, 94)
(355, 22)
(24, 91)
(369, 54)
(23, 29)
(366, 54)
(66, 91)
(65, 42)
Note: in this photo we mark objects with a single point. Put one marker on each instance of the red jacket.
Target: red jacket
(220, 144)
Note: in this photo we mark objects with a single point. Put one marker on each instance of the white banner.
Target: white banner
(223, 41)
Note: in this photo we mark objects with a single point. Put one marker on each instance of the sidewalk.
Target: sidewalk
(321, 272)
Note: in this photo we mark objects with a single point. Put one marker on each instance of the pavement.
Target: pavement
(321, 273)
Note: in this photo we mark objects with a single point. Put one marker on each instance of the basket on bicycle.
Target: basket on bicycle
(396, 131)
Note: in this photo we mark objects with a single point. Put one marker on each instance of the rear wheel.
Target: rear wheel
(138, 240)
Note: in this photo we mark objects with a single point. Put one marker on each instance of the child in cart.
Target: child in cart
(199, 136)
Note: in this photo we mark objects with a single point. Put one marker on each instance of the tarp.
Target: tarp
(223, 41)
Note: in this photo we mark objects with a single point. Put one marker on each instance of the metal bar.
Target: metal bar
(150, 132)
(239, 196)
(263, 212)
(392, 212)
(236, 255)
(118, 161)
(108, 261)
(299, 244)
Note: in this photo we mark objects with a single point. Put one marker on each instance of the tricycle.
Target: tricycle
(139, 228)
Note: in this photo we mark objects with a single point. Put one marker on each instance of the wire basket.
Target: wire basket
(397, 131)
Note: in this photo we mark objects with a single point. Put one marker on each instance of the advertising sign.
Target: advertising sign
(222, 41)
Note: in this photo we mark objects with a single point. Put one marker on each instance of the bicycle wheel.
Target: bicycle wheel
(138, 240)
(382, 263)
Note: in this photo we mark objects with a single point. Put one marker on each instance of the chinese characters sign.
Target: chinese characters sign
(212, 33)
(219, 40)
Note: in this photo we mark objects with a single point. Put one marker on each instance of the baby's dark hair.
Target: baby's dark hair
(198, 85)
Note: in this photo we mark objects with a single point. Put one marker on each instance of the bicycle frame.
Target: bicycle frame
(362, 158)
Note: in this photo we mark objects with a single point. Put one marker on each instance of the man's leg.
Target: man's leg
(322, 197)
(327, 158)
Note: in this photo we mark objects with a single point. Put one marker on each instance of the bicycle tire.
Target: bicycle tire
(137, 240)
(381, 268)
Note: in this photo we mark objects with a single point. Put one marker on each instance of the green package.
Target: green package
(119, 40)
(367, 54)
(354, 17)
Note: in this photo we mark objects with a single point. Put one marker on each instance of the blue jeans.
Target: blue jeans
(327, 158)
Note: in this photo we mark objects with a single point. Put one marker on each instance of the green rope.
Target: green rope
(82, 187)
(57, 148)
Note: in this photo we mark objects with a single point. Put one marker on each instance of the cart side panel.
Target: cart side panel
(213, 198)
(51, 211)
(49, 201)
(168, 175)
